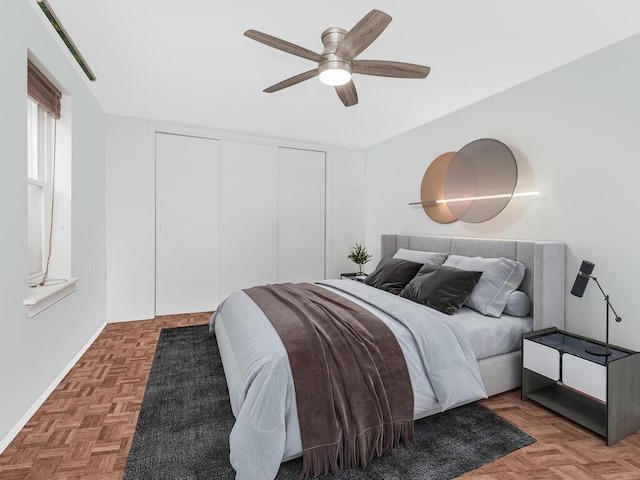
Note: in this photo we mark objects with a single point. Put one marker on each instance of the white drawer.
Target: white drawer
(541, 359)
(585, 376)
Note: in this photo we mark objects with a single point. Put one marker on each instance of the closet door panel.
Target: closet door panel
(187, 235)
(248, 215)
(301, 215)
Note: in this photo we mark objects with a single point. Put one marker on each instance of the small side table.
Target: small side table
(358, 277)
(600, 393)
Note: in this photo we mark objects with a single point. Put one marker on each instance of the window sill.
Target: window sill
(40, 298)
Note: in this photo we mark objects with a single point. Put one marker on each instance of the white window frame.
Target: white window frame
(49, 161)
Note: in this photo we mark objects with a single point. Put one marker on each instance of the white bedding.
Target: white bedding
(490, 335)
(261, 387)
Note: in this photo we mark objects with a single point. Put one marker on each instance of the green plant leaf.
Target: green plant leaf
(359, 255)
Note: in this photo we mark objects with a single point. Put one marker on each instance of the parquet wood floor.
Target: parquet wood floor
(84, 429)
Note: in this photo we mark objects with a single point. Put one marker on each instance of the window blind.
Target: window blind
(42, 91)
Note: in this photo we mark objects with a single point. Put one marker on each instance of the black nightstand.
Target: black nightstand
(358, 277)
(600, 393)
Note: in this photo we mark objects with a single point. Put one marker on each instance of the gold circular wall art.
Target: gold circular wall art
(432, 188)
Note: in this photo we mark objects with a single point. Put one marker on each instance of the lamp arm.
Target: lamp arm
(618, 318)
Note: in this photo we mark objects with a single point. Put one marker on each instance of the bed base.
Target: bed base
(501, 373)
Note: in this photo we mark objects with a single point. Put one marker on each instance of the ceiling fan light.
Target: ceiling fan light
(335, 76)
(334, 71)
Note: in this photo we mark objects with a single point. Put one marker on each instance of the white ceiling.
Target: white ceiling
(187, 61)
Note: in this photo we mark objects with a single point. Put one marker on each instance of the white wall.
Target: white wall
(131, 208)
(574, 132)
(33, 352)
(130, 197)
(345, 208)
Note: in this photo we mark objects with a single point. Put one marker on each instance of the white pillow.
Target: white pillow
(518, 304)
(500, 277)
(418, 256)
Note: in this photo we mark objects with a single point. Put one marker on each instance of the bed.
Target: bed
(259, 377)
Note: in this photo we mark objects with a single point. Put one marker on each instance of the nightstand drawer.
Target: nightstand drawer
(541, 359)
(585, 376)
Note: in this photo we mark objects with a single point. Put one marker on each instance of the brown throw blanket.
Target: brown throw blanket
(352, 385)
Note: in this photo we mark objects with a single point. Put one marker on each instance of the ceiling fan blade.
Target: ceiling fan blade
(347, 94)
(283, 45)
(384, 68)
(289, 82)
(363, 34)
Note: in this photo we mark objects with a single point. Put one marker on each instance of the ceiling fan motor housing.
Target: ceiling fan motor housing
(331, 38)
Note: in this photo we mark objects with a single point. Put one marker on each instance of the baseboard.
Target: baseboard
(126, 320)
(4, 443)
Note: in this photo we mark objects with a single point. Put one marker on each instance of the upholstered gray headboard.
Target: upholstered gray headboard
(543, 281)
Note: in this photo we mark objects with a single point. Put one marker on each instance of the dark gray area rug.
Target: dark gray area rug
(185, 420)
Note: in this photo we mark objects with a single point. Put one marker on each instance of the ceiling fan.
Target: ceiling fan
(338, 59)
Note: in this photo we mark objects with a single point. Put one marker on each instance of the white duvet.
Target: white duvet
(441, 363)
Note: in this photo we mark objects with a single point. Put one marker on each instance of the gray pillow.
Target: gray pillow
(518, 304)
(418, 256)
(500, 277)
(392, 274)
(440, 287)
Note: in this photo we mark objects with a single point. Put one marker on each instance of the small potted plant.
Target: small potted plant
(360, 256)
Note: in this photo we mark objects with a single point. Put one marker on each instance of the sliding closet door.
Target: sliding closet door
(301, 215)
(248, 215)
(187, 237)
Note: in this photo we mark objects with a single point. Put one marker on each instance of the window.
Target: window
(43, 110)
(48, 193)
